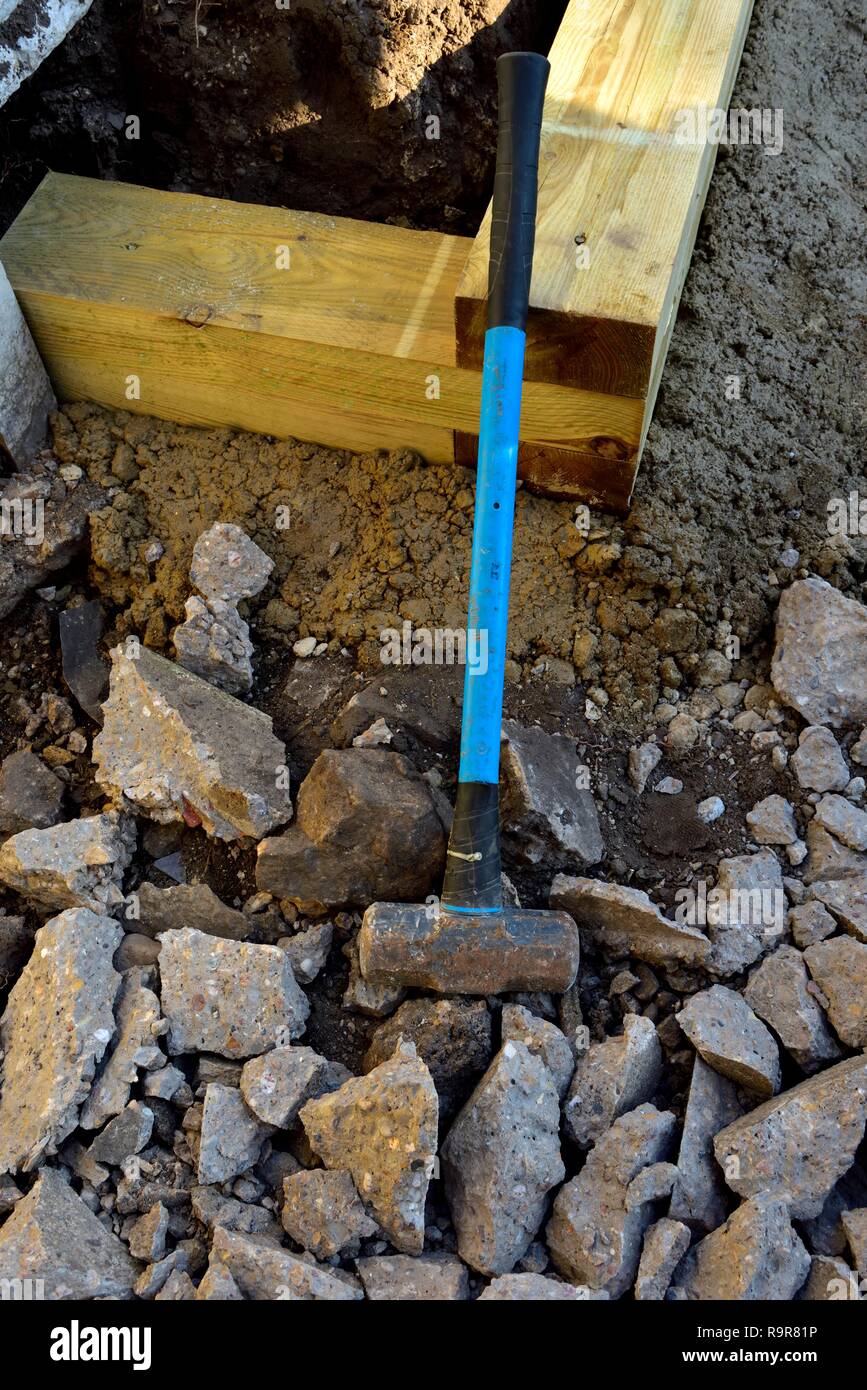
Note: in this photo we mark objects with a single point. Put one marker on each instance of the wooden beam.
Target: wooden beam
(288, 323)
(614, 172)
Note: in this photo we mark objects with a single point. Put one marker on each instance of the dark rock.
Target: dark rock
(452, 1037)
(85, 669)
(188, 905)
(30, 794)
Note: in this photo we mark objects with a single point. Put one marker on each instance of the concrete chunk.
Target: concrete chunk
(839, 967)
(50, 1054)
(818, 762)
(323, 1212)
(30, 794)
(265, 1272)
(231, 1137)
(624, 921)
(821, 653)
(665, 1243)
(138, 1016)
(436, 1278)
(545, 1040)
(277, 1084)
(723, 1028)
(778, 992)
(699, 1197)
(78, 864)
(547, 816)
(755, 1256)
(612, 1077)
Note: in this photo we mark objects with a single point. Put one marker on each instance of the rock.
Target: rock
(323, 1212)
(214, 643)
(50, 1054)
(546, 815)
(46, 525)
(155, 1276)
(232, 1136)
(818, 763)
(535, 1288)
(78, 864)
(651, 1184)
(181, 750)
(85, 669)
(430, 1278)
(821, 654)
(212, 1208)
(829, 859)
(267, 1273)
(54, 1238)
(698, 1197)
(748, 915)
(188, 905)
(593, 1237)
(682, 733)
(364, 996)
(371, 705)
(665, 1244)
(277, 1084)
(227, 565)
(846, 900)
(305, 647)
(858, 750)
(308, 951)
(710, 809)
(229, 997)
(451, 1036)
(367, 829)
(30, 794)
(147, 1237)
(824, 1233)
(218, 1284)
(810, 922)
(624, 921)
(839, 967)
(382, 1128)
(797, 1145)
(724, 1030)
(136, 952)
(778, 992)
(28, 398)
(844, 821)
(855, 1226)
(178, 1288)
(126, 1134)
(669, 786)
(643, 759)
(755, 1256)
(830, 1280)
(772, 821)
(501, 1158)
(612, 1077)
(543, 1039)
(134, 1046)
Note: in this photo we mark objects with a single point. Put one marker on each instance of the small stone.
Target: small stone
(53, 1237)
(308, 951)
(85, 669)
(277, 1084)
(265, 1272)
(212, 1208)
(858, 751)
(181, 750)
(797, 1145)
(218, 1285)
(164, 1084)
(377, 735)
(772, 822)
(796, 853)
(545, 1040)
(231, 1137)
(593, 1236)
(699, 1197)
(665, 1244)
(136, 952)
(30, 794)
(382, 1128)
(839, 967)
(682, 733)
(612, 1077)
(147, 1237)
(778, 992)
(725, 1031)
(821, 653)
(669, 786)
(323, 1213)
(78, 864)
(227, 565)
(624, 921)
(644, 758)
(367, 830)
(451, 1036)
(818, 763)
(178, 1288)
(501, 1158)
(126, 1134)
(546, 814)
(755, 1256)
(305, 647)
(710, 809)
(651, 1184)
(535, 1288)
(844, 821)
(829, 858)
(810, 922)
(229, 997)
(429, 1278)
(155, 1276)
(50, 1054)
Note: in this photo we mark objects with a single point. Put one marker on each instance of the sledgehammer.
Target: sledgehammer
(471, 942)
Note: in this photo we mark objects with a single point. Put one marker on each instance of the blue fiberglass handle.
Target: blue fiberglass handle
(472, 879)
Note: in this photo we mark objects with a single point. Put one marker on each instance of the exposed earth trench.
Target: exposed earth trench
(690, 761)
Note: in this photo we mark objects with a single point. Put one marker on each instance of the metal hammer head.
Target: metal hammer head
(430, 947)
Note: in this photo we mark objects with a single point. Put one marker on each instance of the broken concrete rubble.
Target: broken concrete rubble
(277, 1084)
(30, 794)
(214, 641)
(263, 1271)
(324, 1214)
(451, 1036)
(699, 1197)
(187, 905)
(134, 1046)
(181, 750)
(778, 992)
(747, 918)
(756, 1255)
(49, 1056)
(664, 1244)
(821, 653)
(725, 1031)
(543, 1039)
(80, 863)
(624, 921)
(818, 762)
(612, 1077)
(547, 813)
(501, 1159)
(839, 967)
(432, 1278)
(231, 1136)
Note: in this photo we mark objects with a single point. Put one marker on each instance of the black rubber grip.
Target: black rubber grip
(521, 79)
(472, 877)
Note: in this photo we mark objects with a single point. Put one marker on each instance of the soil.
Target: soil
(314, 105)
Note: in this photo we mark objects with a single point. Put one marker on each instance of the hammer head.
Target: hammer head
(429, 947)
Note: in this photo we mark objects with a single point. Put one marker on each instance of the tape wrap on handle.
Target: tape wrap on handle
(472, 879)
(521, 78)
